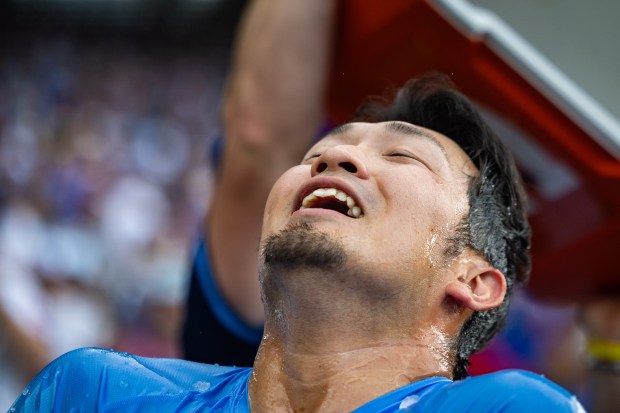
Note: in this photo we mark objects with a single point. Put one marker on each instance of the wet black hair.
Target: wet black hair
(496, 225)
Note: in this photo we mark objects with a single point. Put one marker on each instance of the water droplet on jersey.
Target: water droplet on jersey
(409, 401)
(202, 385)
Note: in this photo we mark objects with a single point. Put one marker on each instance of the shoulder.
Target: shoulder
(97, 365)
(91, 379)
(503, 391)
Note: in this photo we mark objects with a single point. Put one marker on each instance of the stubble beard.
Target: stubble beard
(302, 246)
(297, 248)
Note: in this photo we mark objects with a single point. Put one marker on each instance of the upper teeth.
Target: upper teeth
(354, 211)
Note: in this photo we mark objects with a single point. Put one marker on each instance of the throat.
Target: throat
(335, 381)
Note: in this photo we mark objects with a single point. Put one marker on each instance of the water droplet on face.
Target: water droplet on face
(202, 385)
(122, 384)
(430, 245)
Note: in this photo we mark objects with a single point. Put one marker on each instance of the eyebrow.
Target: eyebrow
(339, 130)
(411, 130)
(399, 127)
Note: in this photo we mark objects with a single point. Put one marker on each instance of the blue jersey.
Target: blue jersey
(97, 380)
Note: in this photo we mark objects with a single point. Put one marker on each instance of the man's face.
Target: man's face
(387, 193)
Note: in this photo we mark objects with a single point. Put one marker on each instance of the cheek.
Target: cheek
(419, 202)
(282, 196)
(420, 218)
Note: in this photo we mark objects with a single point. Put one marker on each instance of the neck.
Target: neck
(335, 341)
(341, 374)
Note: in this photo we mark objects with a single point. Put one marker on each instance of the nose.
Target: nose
(341, 158)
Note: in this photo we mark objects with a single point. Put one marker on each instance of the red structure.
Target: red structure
(576, 232)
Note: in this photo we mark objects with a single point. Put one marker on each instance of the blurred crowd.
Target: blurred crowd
(104, 178)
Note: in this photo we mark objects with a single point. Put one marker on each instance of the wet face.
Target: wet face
(386, 195)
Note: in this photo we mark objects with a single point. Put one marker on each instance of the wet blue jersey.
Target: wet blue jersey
(97, 380)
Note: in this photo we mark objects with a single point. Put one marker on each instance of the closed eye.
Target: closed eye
(404, 155)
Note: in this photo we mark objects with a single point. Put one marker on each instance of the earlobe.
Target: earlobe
(477, 285)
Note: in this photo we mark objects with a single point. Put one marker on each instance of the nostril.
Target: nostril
(322, 166)
(348, 166)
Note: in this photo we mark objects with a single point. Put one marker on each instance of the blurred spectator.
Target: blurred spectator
(104, 178)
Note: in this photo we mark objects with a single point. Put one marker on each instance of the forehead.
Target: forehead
(386, 133)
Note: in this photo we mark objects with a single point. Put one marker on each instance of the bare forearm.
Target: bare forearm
(276, 90)
(273, 109)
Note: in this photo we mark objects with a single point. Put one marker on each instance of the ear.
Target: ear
(477, 285)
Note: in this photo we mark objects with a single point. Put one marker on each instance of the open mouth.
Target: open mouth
(333, 199)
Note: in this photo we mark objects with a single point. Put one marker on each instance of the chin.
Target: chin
(302, 245)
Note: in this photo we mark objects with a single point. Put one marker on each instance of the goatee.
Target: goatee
(301, 245)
